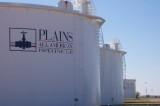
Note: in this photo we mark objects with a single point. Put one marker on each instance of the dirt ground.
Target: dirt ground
(142, 102)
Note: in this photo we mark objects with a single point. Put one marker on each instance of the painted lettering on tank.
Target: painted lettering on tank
(44, 40)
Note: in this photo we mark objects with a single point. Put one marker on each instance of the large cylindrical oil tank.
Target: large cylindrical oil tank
(49, 56)
(111, 75)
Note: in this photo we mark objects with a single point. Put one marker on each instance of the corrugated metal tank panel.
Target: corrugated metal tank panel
(89, 73)
(129, 88)
(111, 76)
(40, 78)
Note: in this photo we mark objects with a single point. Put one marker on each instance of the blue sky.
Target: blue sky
(137, 24)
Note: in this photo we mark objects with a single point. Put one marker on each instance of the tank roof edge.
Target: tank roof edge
(47, 7)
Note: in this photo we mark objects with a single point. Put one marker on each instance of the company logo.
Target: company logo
(41, 40)
(22, 39)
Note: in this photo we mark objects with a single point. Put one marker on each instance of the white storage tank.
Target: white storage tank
(111, 74)
(49, 56)
(129, 88)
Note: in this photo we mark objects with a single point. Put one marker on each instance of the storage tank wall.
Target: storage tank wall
(129, 88)
(37, 75)
(111, 76)
(88, 76)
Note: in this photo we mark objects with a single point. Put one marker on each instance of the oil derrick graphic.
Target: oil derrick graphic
(23, 43)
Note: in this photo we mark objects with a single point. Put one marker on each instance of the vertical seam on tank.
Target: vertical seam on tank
(75, 59)
(101, 69)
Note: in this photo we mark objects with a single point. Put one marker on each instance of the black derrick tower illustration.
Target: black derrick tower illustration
(23, 43)
(22, 39)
